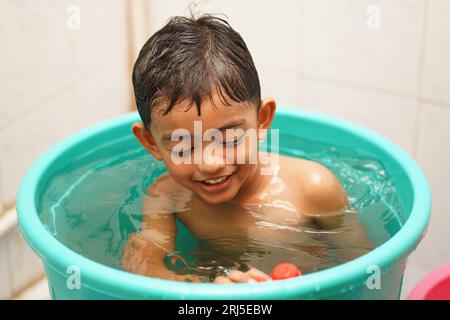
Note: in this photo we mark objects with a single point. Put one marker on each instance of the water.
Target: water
(93, 205)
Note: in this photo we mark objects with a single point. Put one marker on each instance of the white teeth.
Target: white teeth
(214, 181)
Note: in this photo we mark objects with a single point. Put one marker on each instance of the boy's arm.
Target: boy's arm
(328, 201)
(145, 251)
(323, 197)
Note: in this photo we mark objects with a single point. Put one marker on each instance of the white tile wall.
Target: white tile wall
(391, 116)
(37, 60)
(395, 80)
(25, 139)
(276, 57)
(103, 94)
(102, 37)
(101, 91)
(338, 44)
(5, 281)
(54, 81)
(1, 191)
(260, 23)
(282, 86)
(433, 156)
(18, 264)
(25, 266)
(436, 83)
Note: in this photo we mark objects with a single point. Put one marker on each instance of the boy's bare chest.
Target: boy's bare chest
(231, 221)
(209, 221)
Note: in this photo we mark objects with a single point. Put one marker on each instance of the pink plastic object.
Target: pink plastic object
(435, 286)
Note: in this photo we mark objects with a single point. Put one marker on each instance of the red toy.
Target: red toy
(285, 270)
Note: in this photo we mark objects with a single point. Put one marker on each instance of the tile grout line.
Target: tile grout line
(420, 79)
(8, 220)
(358, 86)
(301, 51)
(370, 89)
(67, 88)
(131, 51)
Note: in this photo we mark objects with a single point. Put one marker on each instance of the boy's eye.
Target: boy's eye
(233, 143)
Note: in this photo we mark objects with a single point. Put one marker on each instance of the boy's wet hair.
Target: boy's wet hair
(187, 59)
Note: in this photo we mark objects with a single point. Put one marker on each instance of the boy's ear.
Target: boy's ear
(266, 113)
(146, 139)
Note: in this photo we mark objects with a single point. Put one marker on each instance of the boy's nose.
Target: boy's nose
(211, 164)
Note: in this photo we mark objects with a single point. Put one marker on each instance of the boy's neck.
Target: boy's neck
(255, 184)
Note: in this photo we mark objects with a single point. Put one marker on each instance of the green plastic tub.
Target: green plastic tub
(345, 281)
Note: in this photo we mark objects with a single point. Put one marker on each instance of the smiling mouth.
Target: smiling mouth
(216, 184)
(215, 181)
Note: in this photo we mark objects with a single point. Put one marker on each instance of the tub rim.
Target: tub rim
(126, 284)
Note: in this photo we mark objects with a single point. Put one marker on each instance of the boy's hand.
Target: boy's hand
(235, 276)
(141, 256)
(186, 278)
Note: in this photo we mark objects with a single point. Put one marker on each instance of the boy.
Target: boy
(205, 62)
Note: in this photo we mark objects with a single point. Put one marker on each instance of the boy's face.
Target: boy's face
(214, 176)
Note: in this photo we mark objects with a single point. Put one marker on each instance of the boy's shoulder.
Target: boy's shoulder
(164, 184)
(319, 189)
(165, 194)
